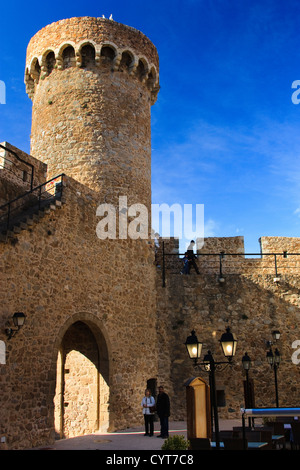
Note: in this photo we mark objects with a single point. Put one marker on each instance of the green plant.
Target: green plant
(175, 442)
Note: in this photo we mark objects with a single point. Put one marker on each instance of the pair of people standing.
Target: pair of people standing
(162, 408)
(189, 260)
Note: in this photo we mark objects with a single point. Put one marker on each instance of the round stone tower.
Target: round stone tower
(92, 82)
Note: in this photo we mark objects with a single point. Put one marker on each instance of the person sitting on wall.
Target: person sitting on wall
(192, 256)
(186, 265)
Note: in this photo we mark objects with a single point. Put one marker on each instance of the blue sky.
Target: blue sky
(225, 132)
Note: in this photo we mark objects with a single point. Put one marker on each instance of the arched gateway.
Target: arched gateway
(82, 380)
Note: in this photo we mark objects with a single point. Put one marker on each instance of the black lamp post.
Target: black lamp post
(246, 362)
(194, 347)
(274, 361)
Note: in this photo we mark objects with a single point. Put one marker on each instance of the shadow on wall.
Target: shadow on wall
(253, 305)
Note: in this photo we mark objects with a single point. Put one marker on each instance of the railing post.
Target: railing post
(61, 186)
(220, 258)
(40, 194)
(275, 260)
(8, 217)
(163, 266)
(31, 182)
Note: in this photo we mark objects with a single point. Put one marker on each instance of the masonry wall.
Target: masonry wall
(251, 300)
(100, 321)
(59, 273)
(78, 290)
(18, 171)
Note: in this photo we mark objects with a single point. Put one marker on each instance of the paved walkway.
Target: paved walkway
(129, 439)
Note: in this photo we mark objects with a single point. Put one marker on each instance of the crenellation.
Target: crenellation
(230, 252)
(36, 53)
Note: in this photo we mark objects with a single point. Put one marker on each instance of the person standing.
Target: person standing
(192, 256)
(163, 411)
(148, 402)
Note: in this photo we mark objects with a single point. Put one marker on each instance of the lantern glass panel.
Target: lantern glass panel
(246, 361)
(193, 346)
(228, 342)
(18, 319)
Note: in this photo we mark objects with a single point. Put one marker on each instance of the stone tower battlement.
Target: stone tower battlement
(138, 57)
(92, 82)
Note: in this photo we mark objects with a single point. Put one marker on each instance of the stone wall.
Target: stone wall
(100, 323)
(92, 82)
(59, 273)
(17, 169)
(105, 300)
(250, 302)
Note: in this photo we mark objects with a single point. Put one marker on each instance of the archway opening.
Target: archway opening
(50, 62)
(88, 56)
(68, 57)
(82, 385)
(126, 61)
(141, 70)
(107, 54)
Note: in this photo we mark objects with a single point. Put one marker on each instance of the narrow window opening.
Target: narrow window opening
(141, 70)
(87, 56)
(68, 57)
(126, 61)
(50, 62)
(107, 54)
(37, 71)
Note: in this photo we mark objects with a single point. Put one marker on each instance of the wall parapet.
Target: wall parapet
(99, 45)
(279, 256)
(19, 172)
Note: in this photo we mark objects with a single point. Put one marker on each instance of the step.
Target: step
(3, 237)
(10, 234)
(23, 225)
(30, 220)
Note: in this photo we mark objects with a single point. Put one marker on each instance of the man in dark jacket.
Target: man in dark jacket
(163, 411)
(192, 256)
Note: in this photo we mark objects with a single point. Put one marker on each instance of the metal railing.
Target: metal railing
(221, 257)
(36, 199)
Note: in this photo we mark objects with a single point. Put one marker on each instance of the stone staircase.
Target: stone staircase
(30, 212)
